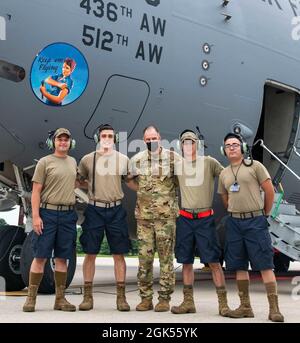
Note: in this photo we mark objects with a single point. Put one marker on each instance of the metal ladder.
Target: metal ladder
(285, 219)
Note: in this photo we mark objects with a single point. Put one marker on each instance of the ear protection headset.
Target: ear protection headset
(179, 143)
(244, 145)
(50, 141)
(104, 127)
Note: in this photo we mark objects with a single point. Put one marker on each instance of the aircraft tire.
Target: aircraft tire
(47, 285)
(11, 242)
(281, 263)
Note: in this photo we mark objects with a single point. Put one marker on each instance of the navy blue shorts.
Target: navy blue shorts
(248, 240)
(59, 234)
(196, 233)
(113, 222)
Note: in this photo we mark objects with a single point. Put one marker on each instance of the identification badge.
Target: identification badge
(235, 187)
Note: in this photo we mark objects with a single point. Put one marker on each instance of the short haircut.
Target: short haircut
(103, 127)
(151, 127)
(233, 135)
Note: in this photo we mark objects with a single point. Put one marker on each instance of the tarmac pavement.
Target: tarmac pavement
(105, 299)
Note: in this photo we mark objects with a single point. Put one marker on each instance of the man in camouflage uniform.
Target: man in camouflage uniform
(152, 173)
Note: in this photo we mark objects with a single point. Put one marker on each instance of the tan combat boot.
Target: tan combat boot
(188, 305)
(122, 304)
(245, 309)
(61, 302)
(88, 301)
(274, 313)
(224, 309)
(34, 282)
(145, 305)
(163, 305)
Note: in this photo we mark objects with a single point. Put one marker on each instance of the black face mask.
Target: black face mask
(152, 146)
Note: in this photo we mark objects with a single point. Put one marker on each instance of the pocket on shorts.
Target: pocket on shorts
(179, 248)
(232, 246)
(124, 213)
(266, 245)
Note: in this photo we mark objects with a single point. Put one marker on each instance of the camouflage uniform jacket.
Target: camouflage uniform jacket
(156, 196)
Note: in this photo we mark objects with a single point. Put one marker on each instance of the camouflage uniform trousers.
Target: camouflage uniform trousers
(156, 235)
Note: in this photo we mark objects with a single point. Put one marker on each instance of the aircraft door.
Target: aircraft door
(279, 128)
(121, 104)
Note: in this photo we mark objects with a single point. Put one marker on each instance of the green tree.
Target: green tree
(104, 246)
(78, 245)
(134, 249)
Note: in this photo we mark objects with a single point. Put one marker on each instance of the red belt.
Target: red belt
(198, 215)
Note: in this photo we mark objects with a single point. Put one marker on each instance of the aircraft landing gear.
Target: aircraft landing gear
(11, 241)
(281, 263)
(15, 245)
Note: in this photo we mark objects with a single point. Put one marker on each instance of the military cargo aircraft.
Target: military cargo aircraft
(222, 65)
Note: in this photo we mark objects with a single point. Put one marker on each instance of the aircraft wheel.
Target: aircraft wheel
(281, 263)
(11, 242)
(47, 285)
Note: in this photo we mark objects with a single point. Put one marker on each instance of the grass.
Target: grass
(102, 255)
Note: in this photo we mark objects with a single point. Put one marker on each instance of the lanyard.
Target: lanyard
(235, 175)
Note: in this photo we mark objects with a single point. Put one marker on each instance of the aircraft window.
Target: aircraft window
(11, 71)
(124, 109)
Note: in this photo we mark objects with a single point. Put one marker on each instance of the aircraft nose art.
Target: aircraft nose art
(121, 104)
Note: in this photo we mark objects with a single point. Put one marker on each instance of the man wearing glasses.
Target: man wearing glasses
(103, 171)
(247, 235)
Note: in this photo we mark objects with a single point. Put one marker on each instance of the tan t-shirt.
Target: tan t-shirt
(58, 176)
(196, 182)
(249, 197)
(108, 175)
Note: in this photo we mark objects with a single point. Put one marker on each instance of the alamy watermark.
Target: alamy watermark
(296, 290)
(2, 288)
(155, 164)
(296, 28)
(2, 28)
